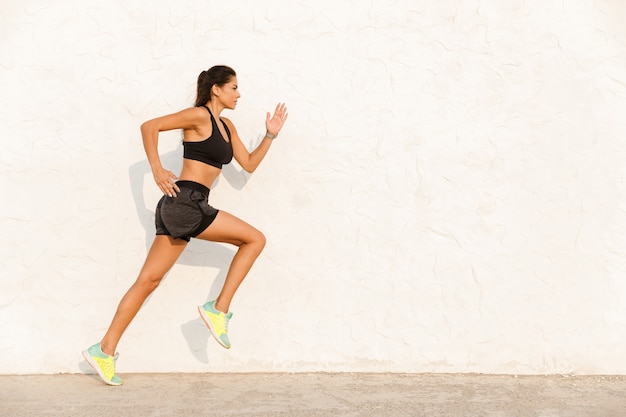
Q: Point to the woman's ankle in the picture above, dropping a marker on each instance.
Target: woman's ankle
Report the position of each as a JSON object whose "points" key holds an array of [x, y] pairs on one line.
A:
{"points": [[107, 349], [220, 308]]}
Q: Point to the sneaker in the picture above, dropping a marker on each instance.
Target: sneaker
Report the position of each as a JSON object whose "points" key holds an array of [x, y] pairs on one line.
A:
{"points": [[103, 364], [217, 322]]}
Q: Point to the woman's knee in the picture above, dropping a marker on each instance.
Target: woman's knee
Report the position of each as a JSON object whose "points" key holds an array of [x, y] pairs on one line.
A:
{"points": [[258, 240], [147, 283]]}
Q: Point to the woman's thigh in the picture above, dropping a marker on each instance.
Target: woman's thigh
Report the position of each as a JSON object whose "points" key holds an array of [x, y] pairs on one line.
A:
{"points": [[162, 256], [230, 229]]}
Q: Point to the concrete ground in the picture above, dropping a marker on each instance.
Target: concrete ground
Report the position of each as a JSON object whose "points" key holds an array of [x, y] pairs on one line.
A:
{"points": [[316, 394]]}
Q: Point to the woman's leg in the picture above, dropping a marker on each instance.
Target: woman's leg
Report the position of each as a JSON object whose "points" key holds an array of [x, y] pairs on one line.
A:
{"points": [[229, 229], [161, 257]]}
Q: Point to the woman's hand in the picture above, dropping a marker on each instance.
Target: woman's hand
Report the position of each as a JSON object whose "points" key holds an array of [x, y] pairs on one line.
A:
{"points": [[165, 181], [276, 122]]}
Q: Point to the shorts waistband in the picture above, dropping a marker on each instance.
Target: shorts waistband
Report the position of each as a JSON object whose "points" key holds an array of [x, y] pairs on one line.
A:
{"points": [[194, 186]]}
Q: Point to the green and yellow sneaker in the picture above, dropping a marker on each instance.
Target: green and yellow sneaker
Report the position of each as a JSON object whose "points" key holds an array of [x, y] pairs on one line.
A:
{"points": [[103, 364], [217, 322]]}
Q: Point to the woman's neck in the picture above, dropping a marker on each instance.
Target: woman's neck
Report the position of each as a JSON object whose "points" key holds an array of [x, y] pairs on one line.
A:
{"points": [[216, 107]]}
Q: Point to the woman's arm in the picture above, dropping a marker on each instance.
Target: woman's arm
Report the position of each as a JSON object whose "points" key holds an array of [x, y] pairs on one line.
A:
{"points": [[249, 161], [185, 119]]}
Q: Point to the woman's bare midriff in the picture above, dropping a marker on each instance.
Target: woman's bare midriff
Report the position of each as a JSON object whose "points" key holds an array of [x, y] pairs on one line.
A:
{"points": [[199, 172]]}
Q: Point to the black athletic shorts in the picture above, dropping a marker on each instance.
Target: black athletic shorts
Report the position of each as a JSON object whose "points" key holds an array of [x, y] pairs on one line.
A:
{"points": [[186, 215]]}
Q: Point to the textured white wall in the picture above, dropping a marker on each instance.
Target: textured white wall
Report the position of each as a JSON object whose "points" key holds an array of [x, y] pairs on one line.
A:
{"points": [[447, 196]]}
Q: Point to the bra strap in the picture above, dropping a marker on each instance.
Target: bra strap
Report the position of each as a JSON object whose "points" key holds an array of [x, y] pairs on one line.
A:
{"points": [[207, 109], [215, 123]]}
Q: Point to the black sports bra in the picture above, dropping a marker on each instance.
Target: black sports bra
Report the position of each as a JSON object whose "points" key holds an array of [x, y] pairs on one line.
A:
{"points": [[214, 150]]}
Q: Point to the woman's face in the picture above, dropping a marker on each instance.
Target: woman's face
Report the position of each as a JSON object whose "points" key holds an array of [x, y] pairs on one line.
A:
{"points": [[229, 93]]}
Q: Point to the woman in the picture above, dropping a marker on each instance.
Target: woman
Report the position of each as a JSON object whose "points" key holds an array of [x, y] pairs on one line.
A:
{"points": [[183, 212]]}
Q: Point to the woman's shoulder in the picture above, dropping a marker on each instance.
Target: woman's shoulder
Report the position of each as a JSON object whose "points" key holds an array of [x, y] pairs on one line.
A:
{"points": [[195, 115], [189, 118], [228, 122], [197, 110]]}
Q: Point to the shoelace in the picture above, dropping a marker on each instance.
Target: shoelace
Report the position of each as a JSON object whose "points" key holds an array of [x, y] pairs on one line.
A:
{"points": [[221, 325], [108, 366]]}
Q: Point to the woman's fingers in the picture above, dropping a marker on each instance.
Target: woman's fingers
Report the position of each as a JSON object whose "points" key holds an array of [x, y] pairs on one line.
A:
{"points": [[276, 122], [166, 182]]}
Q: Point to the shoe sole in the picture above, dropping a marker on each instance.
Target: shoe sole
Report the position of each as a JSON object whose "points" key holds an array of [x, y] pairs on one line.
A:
{"points": [[208, 324], [97, 369]]}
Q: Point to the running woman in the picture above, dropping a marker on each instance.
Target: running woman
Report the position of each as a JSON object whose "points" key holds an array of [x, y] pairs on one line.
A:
{"points": [[210, 141]]}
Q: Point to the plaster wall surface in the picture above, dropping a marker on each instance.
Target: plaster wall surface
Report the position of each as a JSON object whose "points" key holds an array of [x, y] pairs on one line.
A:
{"points": [[447, 196]]}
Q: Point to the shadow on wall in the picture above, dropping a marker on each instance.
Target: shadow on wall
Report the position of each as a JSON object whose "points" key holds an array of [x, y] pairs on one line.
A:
{"points": [[198, 253]]}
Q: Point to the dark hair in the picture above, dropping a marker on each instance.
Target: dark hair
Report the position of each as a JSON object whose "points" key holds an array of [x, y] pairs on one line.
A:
{"points": [[217, 75]]}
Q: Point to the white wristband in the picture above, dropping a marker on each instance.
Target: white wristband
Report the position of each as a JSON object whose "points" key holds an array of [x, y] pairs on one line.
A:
{"points": [[269, 135]]}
